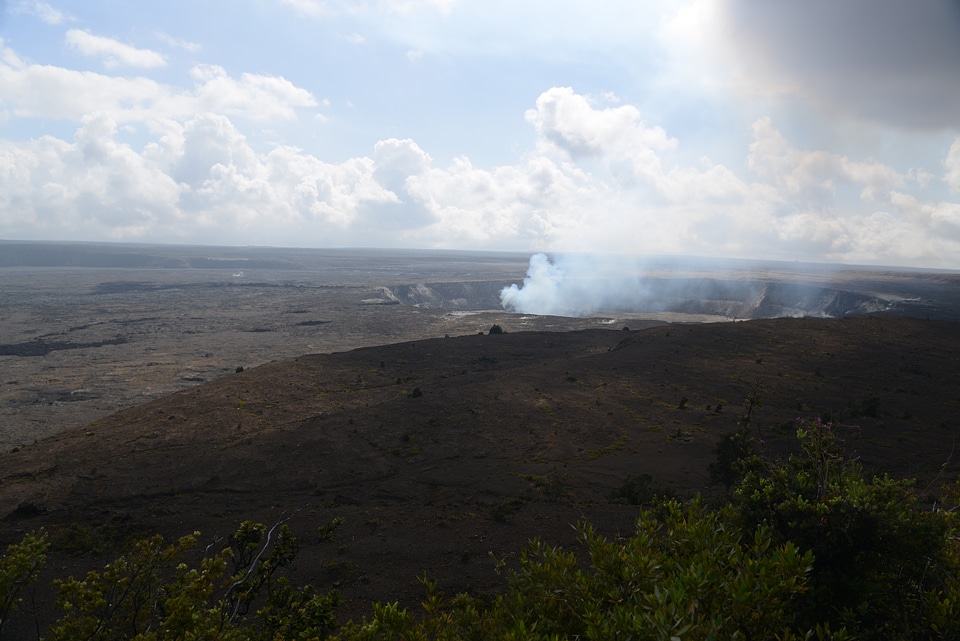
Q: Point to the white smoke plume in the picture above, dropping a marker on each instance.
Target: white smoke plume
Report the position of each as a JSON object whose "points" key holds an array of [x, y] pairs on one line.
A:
{"points": [[575, 285]]}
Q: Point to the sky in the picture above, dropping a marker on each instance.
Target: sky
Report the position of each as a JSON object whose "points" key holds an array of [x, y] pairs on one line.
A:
{"points": [[817, 131]]}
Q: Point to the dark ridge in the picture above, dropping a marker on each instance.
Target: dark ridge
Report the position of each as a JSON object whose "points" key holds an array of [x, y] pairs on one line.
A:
{"points": [[40, 347], [55, 255]]}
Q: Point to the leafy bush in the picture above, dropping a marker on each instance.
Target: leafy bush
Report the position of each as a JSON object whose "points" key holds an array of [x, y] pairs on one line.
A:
{"points": [[684, 574], [730, 454], [638, 490], [884, 566], [153, 594], [18, 569]]}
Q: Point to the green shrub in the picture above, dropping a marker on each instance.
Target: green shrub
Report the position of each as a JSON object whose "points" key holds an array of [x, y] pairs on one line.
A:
{"points": [[636, 490], [685, 574], [18, 569], [153, 594], [884, 567], [730, 455]]}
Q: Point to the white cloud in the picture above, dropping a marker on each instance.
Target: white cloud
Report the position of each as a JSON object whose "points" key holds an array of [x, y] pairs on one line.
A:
{"points": [[355, 39], [922, 177], [253, 96], [91, 187], [535, 204], [811, 178], [113, 52], [694, 37], [40, 9], [30, 90], [45, 91], [571, 122], [178, 43], [598, 178]]}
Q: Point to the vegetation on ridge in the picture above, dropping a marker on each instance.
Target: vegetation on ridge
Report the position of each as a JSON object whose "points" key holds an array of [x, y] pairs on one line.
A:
{"points": [[805, 548]]}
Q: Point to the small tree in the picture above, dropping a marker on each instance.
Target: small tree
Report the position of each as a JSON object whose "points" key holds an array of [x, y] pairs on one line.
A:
{"points": [[18, 569], [736, 451], [884, 566], [731, 454]]}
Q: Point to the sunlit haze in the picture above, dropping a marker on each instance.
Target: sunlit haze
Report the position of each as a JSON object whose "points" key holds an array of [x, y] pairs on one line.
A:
{"points": [[815, 131]]}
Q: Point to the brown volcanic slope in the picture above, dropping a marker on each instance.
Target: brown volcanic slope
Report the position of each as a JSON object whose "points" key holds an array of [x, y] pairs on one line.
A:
{"points": [[440, 451]]}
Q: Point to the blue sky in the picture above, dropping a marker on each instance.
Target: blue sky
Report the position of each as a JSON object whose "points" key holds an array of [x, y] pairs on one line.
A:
{"points": [[816, 131]]}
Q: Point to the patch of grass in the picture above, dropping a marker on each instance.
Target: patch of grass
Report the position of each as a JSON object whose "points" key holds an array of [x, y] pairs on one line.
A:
{"points": [[619, 444], [636, 490], [505, 508], [339, 569], [552, 486]]}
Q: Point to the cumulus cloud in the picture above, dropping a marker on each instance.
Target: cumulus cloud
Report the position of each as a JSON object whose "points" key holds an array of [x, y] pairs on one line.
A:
{"points": [[30, 90], [536, 203], [571, 122], [811, 178], [92, 186], [113, 52], [598, 178], [253, 96]]}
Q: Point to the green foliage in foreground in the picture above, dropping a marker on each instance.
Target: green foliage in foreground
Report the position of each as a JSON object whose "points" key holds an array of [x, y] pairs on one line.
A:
{"points": [[808, 548], [18, 569], [684, 574], [151, 594], [884, 566]]}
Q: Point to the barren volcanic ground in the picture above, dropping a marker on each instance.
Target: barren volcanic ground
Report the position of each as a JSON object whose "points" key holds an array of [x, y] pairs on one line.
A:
{"points": [[437, 451]]}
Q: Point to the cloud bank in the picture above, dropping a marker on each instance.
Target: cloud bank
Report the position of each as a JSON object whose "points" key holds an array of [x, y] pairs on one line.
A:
{"points": [[597, 177]]}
